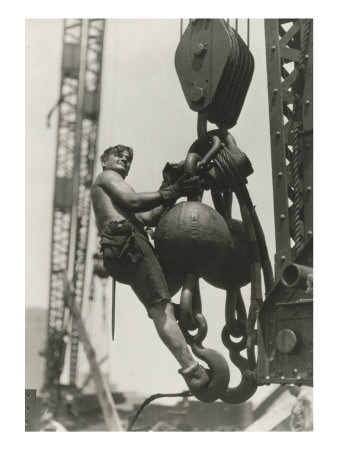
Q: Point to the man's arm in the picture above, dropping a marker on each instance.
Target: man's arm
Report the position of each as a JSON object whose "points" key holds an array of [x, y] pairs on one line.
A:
{"points": [[123, 194], [152, 217], [171, 172]]}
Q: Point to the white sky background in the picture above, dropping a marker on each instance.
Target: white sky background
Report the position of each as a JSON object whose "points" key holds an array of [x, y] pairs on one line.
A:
{"points": [[12, 377], [142, 105]]}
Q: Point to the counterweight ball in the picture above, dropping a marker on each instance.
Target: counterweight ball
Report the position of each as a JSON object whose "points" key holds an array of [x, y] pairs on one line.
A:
{"points": [[192, 238]]}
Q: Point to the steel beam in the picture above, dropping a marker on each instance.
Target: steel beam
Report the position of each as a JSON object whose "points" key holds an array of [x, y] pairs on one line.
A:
{"points": [[284, 41]]}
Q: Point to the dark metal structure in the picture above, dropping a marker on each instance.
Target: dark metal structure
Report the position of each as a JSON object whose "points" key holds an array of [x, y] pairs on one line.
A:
{"points": [[215, 68], [284, 329], [285, 319], [30, 397], [76, 148]]}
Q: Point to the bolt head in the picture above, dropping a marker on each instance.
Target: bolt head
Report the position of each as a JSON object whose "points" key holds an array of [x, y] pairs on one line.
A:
{"points": [[196, 94], [307, 103], [249, 377], [280, 175], [199, 49], [273, 48], [275, 91], [309, 189], [286, 340], [282, 217], [277, 133], [282, 258]]}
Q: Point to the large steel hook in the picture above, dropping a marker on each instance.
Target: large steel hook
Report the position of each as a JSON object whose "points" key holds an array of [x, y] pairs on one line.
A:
{"points": [[190, 302], [218, 367], [197, 159], [247, 386]]}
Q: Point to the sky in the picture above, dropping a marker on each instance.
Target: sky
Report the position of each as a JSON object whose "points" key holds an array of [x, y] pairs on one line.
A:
{"points": [[142, 105]]}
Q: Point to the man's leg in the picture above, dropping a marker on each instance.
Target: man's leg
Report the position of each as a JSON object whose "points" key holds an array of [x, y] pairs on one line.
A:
{"points": [[162, 314], [167, 328]]}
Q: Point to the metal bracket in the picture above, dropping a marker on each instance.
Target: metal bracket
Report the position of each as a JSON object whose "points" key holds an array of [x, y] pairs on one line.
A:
{"points": [[30, 397]]}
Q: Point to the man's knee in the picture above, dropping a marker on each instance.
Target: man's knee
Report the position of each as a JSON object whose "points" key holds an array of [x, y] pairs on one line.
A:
{"points": [[162, 307]]}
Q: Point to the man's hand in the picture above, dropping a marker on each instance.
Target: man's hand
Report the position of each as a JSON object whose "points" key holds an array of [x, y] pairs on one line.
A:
{"points": [[171, 172], [184, 186], [187, 185]]}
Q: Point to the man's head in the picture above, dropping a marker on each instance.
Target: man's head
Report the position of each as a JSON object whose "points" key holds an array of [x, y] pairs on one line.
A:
{"points": [[117, 158]]}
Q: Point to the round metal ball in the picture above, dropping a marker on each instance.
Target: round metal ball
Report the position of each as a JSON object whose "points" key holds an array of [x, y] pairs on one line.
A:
{"points": [[192, 238], [235, 271]]}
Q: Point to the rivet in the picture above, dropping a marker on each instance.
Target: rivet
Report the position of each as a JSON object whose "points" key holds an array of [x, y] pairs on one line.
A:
{"points": [[308, 145], [273, 48], [295, 371], [306, 56], [298, 377], [309, 189], [280, 372], [282, 217], [307, 102], [282, 258], [267, 378], [275, 91], [282, 377], [277, 133], [309, 233], [280, 174]]}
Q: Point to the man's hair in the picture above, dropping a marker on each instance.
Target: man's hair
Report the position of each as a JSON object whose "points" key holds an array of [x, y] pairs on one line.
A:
{"points": [[116, 149]]}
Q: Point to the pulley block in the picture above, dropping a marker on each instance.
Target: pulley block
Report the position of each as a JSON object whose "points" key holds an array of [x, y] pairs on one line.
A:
{"points": [[215, 68]]}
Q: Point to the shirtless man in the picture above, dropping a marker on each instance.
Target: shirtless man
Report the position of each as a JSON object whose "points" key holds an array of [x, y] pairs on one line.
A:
{"points": [[128, 256]]}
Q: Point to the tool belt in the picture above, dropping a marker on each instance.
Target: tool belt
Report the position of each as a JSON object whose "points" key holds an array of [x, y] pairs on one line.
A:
{"points": [[120, 250]]}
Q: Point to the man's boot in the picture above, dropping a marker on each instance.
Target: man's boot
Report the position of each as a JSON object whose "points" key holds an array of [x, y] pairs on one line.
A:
{"points": [[196, 377]]}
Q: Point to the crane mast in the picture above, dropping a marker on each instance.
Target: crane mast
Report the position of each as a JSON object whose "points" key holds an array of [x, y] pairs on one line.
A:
{"points": [[285, 326], [75, 157]]}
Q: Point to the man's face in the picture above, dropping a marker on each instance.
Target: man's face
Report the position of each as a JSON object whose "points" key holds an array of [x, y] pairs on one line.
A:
{"points": [[120, 162]]}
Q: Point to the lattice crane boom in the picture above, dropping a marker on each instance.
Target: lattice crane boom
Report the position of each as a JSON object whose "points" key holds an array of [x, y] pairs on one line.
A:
{"points": [[75, 156], [285, 332]]}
